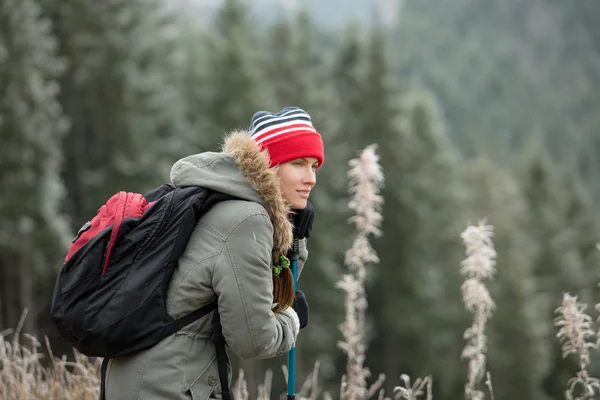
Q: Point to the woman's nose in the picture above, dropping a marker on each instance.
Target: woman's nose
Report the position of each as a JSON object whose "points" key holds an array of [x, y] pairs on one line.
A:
{"points": [[310, 177]]}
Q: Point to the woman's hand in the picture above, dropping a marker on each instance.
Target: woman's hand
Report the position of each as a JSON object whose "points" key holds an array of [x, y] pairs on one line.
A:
{"points": [[301, 307]]}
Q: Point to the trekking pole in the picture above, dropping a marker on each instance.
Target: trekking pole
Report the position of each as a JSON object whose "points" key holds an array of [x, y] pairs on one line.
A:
{"points": [[292, 353]]}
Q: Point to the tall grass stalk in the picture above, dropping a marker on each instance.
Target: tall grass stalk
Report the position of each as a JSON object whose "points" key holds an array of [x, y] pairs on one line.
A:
{"points": [[577, 337], [366, 181], [476, 268]]}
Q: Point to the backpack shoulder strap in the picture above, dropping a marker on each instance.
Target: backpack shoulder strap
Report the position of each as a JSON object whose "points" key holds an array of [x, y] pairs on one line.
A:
{"points": [[191, 317], [103, 379], [222, 359]]}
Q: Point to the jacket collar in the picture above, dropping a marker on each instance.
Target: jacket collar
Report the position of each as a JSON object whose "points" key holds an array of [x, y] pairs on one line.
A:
{"points": [[254, 164]]}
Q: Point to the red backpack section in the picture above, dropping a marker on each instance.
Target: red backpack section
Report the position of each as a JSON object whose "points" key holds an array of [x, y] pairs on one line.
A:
{"points": [[120, 206]]}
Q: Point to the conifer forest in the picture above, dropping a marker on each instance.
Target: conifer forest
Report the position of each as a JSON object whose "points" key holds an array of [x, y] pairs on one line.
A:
{"points": [[473, 126]]}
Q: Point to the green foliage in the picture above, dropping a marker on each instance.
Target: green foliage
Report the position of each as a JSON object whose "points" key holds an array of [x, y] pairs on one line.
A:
{"points": [[479, 109], [233, 86], [33, 230], [517, 322], [507, 70], [564, 255], [422, 239], [120, 95]]}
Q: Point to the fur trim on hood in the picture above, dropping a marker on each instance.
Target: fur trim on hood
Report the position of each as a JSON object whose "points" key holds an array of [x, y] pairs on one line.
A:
{"points": [[254, 164]]}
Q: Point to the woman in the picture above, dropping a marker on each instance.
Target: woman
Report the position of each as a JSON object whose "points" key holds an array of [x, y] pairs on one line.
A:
{"points": [[234, 254]]}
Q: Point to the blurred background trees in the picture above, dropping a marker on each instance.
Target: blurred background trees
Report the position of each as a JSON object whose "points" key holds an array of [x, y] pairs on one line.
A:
{"points": [[478, 108]]}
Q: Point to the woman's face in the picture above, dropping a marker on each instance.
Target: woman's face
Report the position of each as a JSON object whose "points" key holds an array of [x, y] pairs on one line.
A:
{"points": [[297, 178]]}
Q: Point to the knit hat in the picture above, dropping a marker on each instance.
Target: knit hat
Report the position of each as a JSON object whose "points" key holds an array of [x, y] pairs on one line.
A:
{"points": [[287, 135]]}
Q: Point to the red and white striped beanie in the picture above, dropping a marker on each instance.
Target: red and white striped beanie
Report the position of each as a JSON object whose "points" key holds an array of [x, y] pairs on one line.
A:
{"points": [[287, 135]]}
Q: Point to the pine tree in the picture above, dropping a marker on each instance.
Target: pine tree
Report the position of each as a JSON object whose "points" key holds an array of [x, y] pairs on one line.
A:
{"points": [[347, 75], [426, 220], [33, 230], [120, 91], [517, 355], [419, 248], [563, 225], [234, 87]]}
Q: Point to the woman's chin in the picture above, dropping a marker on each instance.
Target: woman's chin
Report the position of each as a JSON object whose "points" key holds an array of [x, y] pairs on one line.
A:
{"points": [[299, 204]]}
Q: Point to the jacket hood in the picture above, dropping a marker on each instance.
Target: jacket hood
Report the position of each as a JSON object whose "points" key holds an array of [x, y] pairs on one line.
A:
{"points": [[241, 170]]}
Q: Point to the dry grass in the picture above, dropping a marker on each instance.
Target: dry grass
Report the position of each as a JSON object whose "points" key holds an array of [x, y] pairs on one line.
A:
{"points": [[24, 376], [421, 387]]}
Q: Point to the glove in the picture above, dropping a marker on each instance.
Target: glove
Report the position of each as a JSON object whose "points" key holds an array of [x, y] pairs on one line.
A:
{"points": [[303, 220], [301, 307]]}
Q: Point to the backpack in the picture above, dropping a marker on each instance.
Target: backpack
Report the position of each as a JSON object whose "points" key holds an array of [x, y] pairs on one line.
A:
{"points": [[117, 271]]}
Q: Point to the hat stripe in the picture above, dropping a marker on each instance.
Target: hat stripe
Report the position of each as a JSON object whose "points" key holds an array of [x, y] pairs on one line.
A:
{"points": [[270, 116], [277, 121], [296, 128], [278, 127]]}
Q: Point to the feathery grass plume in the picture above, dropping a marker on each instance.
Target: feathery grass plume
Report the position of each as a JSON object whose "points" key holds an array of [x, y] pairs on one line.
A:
{"points": [[478, 266], [23, 376], [311, 384], [264, 389], [241, 387], [488, 383], [575, 334], [366, 181], [419, 388]]}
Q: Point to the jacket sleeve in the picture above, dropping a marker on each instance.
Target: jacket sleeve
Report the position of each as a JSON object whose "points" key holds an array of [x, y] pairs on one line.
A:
{"points": [[243, 282]]}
